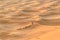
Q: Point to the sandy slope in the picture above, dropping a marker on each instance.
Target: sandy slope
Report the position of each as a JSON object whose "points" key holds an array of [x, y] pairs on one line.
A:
{"points": [[29, 19]]}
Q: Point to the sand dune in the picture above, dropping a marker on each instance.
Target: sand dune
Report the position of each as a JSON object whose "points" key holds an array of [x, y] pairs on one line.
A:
{"points": [[29, 19]]}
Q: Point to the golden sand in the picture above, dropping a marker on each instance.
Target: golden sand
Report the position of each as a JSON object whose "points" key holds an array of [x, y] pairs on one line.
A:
{"points": [[29, 19]]}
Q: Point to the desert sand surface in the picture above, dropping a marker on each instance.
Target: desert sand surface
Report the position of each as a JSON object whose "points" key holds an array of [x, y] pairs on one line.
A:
{"points": [[29, 19]]}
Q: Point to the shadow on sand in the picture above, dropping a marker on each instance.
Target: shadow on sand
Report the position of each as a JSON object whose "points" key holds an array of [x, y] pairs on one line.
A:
{"points": [[49, 23]]}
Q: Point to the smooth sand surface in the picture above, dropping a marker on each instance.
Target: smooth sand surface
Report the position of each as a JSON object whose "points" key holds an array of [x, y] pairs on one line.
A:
{"points": [[29, 19]]}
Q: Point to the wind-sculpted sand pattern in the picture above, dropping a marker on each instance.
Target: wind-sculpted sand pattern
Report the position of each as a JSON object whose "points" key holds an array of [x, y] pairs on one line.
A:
{"points": [[29, 19]]}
